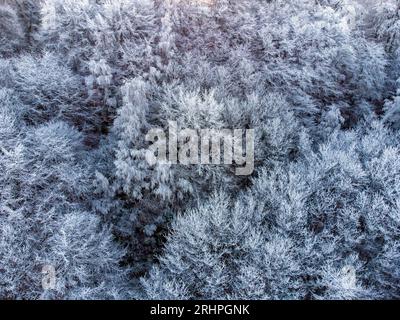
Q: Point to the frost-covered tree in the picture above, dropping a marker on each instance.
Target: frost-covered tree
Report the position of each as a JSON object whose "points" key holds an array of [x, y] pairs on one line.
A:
{"points": [[5, 73], [314, 51], [43, 219], [125, 33], [29, 13], [82, 83], [392, 109], [383, 21], [147, 192], [11, 32], [221, 251], [67, 30], [321, 228], [52, 90], [387, 23]]}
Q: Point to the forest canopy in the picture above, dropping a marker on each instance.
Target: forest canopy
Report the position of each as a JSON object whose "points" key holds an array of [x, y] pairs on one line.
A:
{"points": [[83, 82]]}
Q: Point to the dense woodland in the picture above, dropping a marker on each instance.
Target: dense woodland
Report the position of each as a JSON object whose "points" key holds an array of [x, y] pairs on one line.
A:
{"points": [[82, 82]]}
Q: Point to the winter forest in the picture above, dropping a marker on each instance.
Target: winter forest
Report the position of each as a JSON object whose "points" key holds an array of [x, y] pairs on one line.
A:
{"points": [[84, 215]]}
